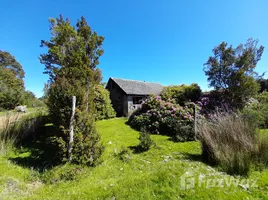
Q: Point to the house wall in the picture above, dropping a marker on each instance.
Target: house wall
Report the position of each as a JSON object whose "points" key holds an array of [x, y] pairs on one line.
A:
{"points": [[132, 107], [118, 99]]}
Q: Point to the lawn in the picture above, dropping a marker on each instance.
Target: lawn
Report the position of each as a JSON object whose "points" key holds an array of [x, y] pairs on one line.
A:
{"points": [[156, 174]]}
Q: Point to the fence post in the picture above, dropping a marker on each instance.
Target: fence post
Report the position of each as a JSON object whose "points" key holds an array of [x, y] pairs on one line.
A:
{"points": [[71, 128], [195, 122]]}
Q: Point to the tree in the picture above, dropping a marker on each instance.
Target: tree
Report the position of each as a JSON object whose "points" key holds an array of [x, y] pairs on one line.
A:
{"points": [[11, 81], [263, 85], [231, 71], [71, 61]]}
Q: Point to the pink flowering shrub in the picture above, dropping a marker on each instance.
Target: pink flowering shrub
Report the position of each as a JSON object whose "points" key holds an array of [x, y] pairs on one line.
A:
{"points": [[164, 117]]}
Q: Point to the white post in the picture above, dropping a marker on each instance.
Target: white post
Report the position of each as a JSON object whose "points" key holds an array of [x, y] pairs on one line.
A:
{"points": [[71, 128]]}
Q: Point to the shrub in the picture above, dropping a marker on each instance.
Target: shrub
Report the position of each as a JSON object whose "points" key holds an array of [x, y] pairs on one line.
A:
{"points": [[182, 93], [229, 141], [104, 108], [257, 111], [124, 154], [145, 140], [87, 147], [164, 117]]}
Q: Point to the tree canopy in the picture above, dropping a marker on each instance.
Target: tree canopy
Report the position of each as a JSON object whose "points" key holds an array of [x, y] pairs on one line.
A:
{"points": [[231, 71]]}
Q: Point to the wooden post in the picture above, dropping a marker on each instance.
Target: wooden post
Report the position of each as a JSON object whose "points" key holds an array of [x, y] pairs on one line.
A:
{"points": [[71, 128], [195, 122]]}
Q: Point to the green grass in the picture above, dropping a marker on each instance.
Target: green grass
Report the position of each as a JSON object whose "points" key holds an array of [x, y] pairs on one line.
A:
{"points": [[154, 174]]}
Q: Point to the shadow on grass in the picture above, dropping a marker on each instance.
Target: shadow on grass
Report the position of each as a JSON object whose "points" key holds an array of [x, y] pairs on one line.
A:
{"points": [[136, 149], [198, 158], [36, 151]]}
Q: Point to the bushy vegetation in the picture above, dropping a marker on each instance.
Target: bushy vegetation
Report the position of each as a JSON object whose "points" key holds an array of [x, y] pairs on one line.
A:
{"points": [[230, 140], [256, 110], [73, 72], [14, 127], [104, 108], [182, 94], [145, 140], [164, 117], [231, 71]]}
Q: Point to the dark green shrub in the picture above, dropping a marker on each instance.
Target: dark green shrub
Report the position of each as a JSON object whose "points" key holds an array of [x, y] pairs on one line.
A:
{"points": [[87, 147], [145, 140], [164, 117]]}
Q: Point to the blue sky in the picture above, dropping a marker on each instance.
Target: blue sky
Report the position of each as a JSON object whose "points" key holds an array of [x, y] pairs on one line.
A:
{"points": [[153, 40]]}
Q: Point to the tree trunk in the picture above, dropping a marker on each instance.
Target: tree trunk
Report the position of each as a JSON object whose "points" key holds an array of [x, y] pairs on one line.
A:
{"points": [[71, 128]]}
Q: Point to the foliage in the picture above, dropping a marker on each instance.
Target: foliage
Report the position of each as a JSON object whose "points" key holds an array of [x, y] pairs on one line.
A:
{"points": [[263, 85], [182, 93], [124, 154], [229, 141], [87, 147], [62, 173], [11, 81], [145, 140], [102, 101], [164, 117], [148, 176], [71, 61], [261, 152], [14, 127], [231, 71], [257, 110]]}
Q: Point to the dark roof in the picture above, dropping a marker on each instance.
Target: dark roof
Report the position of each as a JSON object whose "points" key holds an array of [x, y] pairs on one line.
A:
{"points": [[138, 87]]}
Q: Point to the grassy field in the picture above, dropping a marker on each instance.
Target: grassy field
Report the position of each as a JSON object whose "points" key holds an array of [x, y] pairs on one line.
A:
{"points": [[164, 172]]}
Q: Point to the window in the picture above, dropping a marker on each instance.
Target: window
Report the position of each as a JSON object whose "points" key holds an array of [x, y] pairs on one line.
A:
{"points": [[137, 100]]}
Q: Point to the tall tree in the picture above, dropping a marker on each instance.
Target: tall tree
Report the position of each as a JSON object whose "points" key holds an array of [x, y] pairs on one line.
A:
{"points": [[71, 61], [232, 71], [11, 81]]}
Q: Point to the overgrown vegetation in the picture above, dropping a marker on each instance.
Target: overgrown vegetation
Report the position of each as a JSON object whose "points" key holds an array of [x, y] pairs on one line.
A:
{"points": [[165, 117], [14, 127], [231, 141], [182, 94], [154, 174]]}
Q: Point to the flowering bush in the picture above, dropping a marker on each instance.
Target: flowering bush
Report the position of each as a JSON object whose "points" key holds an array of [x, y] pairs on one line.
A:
{"points": [[164, 117]]}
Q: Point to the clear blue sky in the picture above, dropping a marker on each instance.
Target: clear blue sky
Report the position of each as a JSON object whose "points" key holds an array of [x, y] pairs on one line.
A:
{"points": [[153, 40]]}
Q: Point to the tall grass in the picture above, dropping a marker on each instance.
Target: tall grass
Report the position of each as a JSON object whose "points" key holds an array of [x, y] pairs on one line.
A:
{"points": [[16, 126], [228, 141]]}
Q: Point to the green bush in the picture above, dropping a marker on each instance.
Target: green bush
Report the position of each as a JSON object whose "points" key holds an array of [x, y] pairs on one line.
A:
{"points": [[87, 147], [182, 93], [103, 104], [164, 117], [229, 141], [145, 140], [257, 111], [124, 154]]}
